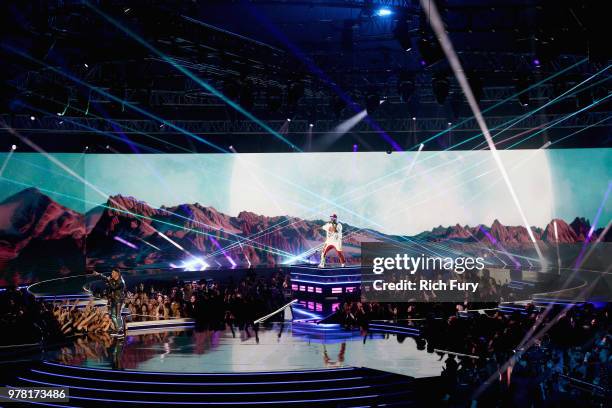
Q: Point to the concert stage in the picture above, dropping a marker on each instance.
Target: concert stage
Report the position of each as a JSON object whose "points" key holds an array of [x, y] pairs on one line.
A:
{"points": [[290, 364], [294, 361]]}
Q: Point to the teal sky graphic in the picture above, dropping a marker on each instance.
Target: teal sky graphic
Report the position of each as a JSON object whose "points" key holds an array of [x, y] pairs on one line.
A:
{"points": [[370, 189]]}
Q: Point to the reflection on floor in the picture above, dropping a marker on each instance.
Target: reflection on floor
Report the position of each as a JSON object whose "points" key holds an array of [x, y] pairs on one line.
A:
{"points": [[277, 347]]}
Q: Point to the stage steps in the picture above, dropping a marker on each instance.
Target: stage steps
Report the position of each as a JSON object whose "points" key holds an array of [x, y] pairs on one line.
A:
{"points": [[341, 387]]}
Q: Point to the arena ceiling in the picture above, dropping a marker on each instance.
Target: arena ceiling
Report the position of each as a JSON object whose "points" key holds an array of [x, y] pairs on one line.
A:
{"points": [[157, 73]]}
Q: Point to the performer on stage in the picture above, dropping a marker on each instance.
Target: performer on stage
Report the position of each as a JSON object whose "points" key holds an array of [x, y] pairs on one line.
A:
{"points": [[115, 286], [333, 240]]}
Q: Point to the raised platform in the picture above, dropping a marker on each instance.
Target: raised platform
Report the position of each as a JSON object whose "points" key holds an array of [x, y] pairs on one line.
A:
{"points": [[293, 364], [321, 290], [345, 387]]}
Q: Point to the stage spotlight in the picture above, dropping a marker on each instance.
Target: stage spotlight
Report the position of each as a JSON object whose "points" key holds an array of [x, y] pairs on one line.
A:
{"points": [[32, 118], [85, 65], [288, 119], [107, 147], [414, 118], [86, 147], [402, 34], [406, 85], [383, 12], [355, 147], [440, 86], [14, 147], [344, 127], [311, 125]]}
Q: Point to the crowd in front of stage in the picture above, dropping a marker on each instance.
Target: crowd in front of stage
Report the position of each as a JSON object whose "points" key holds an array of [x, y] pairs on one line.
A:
{"points": [[24, 320], [212, 304], [568, 361]]}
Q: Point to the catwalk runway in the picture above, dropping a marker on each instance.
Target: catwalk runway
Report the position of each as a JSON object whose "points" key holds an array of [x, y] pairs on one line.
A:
{"points": [[299, 346]]}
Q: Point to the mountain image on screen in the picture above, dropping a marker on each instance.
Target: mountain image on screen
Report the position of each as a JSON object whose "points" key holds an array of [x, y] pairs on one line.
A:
{"points": [[41, 239]]}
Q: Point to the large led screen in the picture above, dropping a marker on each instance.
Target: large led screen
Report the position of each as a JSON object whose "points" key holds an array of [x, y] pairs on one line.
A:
{"points": [[63, 214]]}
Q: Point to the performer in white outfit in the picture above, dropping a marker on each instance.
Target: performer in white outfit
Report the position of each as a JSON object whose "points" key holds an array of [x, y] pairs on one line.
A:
{"points": [[333, 240]]}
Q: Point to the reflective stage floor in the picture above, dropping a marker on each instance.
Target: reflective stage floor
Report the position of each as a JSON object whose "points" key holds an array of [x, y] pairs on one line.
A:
{"points": [[276, 347]]}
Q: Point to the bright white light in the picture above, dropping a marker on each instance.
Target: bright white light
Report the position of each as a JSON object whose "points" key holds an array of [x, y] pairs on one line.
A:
{"points": [[383, 12], [32, 117], [414, 118], [85, 65], [288, 119], [348, 124], [293, 260], [311, 125], [13, 147], [438, 27], [164, 236], [192, 264], [231, 261]]}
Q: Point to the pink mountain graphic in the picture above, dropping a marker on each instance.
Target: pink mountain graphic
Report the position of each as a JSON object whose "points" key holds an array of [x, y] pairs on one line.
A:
{"points": [[40, 238]]}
